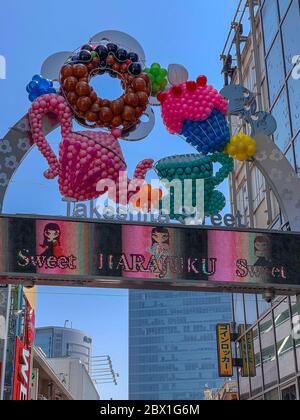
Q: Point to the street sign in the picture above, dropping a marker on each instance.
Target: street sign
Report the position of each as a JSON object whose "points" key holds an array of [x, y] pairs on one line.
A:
{"points": [[247, 352], [72, 252], [225, 360]]}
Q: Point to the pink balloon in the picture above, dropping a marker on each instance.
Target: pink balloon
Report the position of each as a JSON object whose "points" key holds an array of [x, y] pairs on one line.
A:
{"points": [[195, 105]]}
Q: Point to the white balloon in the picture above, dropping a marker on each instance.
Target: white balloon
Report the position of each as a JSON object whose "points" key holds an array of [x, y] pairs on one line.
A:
{"points": [[177, 74], [52, 65]]}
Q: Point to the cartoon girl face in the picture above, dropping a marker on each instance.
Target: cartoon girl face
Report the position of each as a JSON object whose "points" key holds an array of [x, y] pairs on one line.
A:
{"points": [[51, 235], [262, 246], [160, 237]]}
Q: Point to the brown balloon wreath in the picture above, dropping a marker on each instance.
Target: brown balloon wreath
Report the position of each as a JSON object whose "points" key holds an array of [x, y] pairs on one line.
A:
{"points": [[93, 111]]}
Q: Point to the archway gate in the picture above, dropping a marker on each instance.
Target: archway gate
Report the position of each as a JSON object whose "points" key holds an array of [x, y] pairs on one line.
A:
{"points": [[64, 252]]}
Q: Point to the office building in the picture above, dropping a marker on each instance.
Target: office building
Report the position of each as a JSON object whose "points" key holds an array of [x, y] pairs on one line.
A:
{"points": [[261, 53], [58, 342], [277, 354], [172, 343]]}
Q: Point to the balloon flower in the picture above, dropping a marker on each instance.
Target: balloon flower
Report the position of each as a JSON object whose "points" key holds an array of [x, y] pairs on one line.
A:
{"points": [[158, 77], [39, 87], [197, 112], [241, 147]]}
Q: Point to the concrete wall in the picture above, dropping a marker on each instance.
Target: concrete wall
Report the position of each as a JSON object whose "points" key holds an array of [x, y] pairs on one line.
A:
{"points": [[75, 377]]}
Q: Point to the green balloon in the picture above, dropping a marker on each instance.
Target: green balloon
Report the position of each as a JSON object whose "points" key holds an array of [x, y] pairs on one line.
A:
{"points": [[151, 77], [163, 73], [155, 66], [155, 87], [155, 72], [164, 84]]}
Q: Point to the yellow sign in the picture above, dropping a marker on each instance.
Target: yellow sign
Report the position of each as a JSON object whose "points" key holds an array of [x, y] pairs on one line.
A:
{"points": [[224, 351], [247, 352]]}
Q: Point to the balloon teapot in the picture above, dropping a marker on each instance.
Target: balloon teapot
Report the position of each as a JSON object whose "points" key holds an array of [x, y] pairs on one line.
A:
{"points": [[85, 158], [89, 158]]}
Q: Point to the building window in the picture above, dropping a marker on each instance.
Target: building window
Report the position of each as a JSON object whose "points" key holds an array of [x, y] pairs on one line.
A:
{"points": [[275, 69], [268, 352], [290, 156], [280, 112], [272, 395], [294, 96], [291, 34], [289, 394], [283, 5], [270, 21], [258, 187], [297, 153]]}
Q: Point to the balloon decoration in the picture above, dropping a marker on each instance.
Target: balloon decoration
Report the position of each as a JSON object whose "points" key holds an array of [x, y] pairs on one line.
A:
{"points": [[196, 167], [149, 198], [93, 111], [158, 77], [241, 147], [191, 109], [208, 136], [39, 87], [85, 158], [197, 112]]}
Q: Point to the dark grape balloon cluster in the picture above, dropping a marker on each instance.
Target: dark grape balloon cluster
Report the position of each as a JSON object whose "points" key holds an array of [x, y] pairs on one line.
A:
{"points": [[111, 56]]}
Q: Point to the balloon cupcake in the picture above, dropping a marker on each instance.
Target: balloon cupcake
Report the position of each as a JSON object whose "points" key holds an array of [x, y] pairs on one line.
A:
{"points": [[196, 111]]}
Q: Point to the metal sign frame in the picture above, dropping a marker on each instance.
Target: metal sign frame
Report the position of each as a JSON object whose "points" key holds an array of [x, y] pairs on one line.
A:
{"points": [[102, 281]]}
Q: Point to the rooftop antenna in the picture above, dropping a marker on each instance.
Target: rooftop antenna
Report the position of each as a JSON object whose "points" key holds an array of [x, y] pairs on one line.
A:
{"points": [[68, 324]]}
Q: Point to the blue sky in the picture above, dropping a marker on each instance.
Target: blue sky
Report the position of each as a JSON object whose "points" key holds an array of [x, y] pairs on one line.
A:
{"points": [[190, 32]]}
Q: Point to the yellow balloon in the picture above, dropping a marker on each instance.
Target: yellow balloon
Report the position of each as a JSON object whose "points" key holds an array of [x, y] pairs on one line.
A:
{"points": [[241, 147], [251, 150], [231, 149]]}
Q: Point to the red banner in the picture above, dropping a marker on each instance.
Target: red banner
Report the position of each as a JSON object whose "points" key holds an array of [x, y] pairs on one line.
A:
{"points": [[22, 371]]}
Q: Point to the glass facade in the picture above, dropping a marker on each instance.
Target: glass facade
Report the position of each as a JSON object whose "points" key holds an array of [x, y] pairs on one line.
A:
{"points": [[59, 342], [277, 353], [281, 30], [277, 34], [172, 343]]}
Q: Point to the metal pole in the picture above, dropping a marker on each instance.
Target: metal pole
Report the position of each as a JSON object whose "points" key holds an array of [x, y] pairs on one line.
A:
{"points": [[257, 63], [3, 373], [247, 166], [258, 77]]}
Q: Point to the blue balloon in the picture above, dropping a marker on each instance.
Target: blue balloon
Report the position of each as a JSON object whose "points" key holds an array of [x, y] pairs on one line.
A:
{"points": [[208, 136], [35, 89], [33, 85], [44, 84], [36, 78], [32, 96], [39, 87]]}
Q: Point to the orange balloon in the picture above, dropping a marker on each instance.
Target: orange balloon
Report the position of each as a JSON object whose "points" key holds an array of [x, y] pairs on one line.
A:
{"points": [[150, 198]]}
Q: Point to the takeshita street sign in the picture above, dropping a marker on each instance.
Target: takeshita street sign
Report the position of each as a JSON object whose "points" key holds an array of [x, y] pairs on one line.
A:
{"points": [[52, 251]]}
